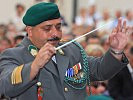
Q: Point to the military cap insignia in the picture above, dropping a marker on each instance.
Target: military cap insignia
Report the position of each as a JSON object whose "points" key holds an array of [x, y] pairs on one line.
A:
{"points": [[33, 50], [16, 76]]}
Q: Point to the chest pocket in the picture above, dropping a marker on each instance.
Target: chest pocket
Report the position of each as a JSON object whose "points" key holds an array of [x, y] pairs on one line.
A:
{"points": [[76, 76], [80, 77]]}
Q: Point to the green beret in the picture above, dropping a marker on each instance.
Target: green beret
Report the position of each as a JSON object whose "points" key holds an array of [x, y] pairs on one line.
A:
{"points": [[41, 12]]}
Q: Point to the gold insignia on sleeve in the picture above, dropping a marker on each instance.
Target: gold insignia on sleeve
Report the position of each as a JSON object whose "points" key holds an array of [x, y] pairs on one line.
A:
{"points": [[16, 76]]}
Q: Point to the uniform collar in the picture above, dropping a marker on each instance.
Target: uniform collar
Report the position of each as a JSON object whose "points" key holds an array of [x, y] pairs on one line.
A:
{"points": [[26, 41]]}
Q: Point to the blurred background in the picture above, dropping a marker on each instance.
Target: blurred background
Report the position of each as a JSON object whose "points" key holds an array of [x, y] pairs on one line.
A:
{"points": [[79, 17], [68, 8]]}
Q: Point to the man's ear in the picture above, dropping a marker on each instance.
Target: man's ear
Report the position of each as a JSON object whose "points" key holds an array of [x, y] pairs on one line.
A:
{"points": [[29, 30]]}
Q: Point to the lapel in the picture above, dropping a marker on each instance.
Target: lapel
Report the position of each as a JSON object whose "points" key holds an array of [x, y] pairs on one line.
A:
{"points": [[51, 67], [62, 64]]}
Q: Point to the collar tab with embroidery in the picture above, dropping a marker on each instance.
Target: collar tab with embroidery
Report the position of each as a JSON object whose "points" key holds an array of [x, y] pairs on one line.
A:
{"points": [[33, 50]]}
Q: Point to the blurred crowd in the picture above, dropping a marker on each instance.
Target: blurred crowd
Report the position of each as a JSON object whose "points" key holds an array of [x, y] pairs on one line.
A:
{"points": [[94, 44]]}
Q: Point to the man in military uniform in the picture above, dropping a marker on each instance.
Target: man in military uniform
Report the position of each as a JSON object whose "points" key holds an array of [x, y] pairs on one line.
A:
{"points": [[35, 70]]}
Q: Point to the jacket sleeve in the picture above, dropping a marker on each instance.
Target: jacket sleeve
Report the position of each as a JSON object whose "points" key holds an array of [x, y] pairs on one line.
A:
{"points": [[8, 62], [115, 87], [105, 67]]}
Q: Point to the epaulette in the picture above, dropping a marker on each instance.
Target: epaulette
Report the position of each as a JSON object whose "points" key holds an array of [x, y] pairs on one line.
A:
{"points": [[16, 76]]}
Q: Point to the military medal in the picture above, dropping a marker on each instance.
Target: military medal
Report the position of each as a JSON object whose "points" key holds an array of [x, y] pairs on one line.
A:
{"points": [[39, 91], [79, 66], [78, 76], [70, 71], [73, 71]]}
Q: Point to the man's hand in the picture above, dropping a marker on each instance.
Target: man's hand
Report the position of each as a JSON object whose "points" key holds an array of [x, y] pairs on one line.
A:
{"points": [[119, 36], [118, 39], [43, 56]]}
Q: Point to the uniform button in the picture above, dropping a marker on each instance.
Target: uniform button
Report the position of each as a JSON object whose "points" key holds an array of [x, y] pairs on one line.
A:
{"points": [[66, 89]]}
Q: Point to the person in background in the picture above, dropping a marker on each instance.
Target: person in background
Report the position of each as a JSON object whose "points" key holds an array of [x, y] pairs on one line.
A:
{"points": [[104, 42], [5, 43], [94, 50], [129, 17], [11, 32], [106, 19], [82, 42], [93, 39], [118, 14], [81, 19], [17, 19], [3, 30], [18, 39], [93, 16]]}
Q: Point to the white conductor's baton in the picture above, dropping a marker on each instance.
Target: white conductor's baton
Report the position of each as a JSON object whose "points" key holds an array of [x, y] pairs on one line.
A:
{"points": [[67, 43]]}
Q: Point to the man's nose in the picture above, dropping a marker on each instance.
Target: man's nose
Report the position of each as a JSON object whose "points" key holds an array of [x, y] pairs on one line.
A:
{"points": [[54, 31]]}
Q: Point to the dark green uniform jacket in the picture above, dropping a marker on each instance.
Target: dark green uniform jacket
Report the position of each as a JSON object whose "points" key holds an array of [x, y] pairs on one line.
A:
{"points": [[55, 84]]}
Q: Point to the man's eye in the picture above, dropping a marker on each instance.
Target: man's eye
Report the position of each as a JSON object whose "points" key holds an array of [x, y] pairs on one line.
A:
{"points": [[47, 28], [58, 27]]}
